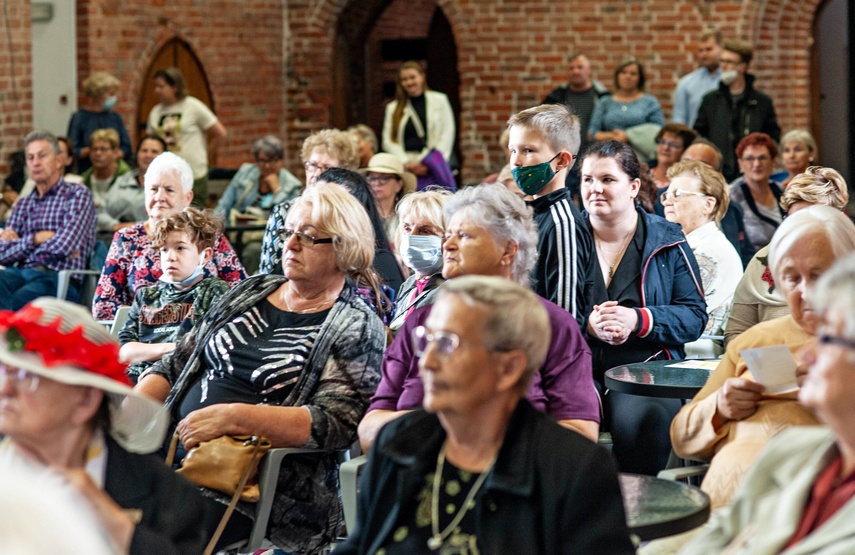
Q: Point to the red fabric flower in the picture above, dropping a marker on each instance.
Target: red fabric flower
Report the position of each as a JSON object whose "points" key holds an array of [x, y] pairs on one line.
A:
{"points": [[767, 277]]}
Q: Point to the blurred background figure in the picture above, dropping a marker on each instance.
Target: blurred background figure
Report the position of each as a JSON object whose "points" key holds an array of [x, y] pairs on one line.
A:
{"points": [[366, 142], [798, 151], [100, 91]]}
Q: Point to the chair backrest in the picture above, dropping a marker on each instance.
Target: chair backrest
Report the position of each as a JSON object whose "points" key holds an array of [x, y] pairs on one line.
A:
{"points": [[119, 320]]}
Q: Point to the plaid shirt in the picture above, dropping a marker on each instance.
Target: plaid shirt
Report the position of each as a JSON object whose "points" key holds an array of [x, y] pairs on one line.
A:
{"points": [[68, 210]]}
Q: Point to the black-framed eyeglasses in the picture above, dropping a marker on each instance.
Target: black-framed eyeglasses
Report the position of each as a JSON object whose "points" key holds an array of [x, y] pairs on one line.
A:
{"points": [[381, 178], [304, 239], [267, 160], [834, 340], [21, 378]]}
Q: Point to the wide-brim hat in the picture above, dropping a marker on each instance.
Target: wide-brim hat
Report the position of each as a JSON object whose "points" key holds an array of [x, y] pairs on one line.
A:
{"points": [[60, 341], [391, 164]]}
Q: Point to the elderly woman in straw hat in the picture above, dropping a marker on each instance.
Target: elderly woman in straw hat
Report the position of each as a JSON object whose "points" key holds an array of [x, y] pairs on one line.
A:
{"points": [[67, 411], [389, 183]]}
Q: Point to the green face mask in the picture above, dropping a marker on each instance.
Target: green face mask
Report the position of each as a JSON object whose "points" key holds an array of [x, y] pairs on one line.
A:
{"points": [[531, 179]]}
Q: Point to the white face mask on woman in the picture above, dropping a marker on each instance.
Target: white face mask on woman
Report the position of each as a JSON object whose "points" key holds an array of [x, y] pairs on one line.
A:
{"points": [[422, 253]]}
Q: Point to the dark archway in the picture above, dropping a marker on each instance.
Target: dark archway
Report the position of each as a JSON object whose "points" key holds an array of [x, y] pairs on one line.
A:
{"points": [[364, 67], [174, 53]]}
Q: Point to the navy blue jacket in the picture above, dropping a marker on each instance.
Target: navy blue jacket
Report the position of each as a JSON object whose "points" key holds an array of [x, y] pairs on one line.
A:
{"points": [[672, 312]]}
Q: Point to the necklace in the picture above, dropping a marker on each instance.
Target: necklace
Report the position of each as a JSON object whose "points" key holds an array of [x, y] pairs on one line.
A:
{"points": [[305, 310], [624, 243], [437, 538]]}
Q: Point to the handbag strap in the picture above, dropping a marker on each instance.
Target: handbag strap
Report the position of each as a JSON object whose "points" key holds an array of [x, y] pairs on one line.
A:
{"points": [[209, 549]]}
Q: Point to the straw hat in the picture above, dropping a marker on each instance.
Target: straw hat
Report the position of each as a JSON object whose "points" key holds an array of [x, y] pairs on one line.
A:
{"points": [[391, 164], [60, 341]]}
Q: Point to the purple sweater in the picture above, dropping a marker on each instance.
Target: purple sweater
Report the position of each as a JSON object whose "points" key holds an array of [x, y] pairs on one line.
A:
{"points": [[563, 389]]}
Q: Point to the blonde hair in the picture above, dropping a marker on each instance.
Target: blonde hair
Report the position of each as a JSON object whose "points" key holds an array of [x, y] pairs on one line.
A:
{"points": [[515, 318], [555, 123], [711, 183], [425, 205], [110, 136], [203, 228], [816, 185], [98, 83], [340, 145], [338, 213]]}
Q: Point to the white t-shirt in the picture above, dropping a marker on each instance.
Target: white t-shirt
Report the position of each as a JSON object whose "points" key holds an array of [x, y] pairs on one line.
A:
{"points": [[183, 125]]}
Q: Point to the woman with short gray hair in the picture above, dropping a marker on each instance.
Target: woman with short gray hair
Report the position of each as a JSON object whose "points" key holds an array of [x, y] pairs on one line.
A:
{"points": [[257, 187], [731, 419]]}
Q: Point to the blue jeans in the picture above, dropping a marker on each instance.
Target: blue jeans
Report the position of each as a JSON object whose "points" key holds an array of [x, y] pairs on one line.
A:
{"points": [[18, 286]]}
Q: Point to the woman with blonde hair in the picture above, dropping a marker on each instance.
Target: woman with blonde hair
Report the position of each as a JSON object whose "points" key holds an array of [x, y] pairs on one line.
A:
{"points": [[418, 121]]}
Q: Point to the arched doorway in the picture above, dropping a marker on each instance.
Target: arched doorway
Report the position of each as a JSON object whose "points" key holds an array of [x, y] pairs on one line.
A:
{"points": [[833, 70], [174, 53], [378, 36]]}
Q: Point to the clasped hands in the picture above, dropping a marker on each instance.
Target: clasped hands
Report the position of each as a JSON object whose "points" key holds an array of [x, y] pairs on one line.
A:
{"points": [[611, 323]]}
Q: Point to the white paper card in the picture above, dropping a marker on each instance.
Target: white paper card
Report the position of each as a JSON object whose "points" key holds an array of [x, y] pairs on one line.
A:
{"points": [[774, 367]]}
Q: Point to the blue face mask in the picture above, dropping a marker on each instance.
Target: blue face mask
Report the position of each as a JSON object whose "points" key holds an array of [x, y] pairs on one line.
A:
{"points": [[532, 179], [422, 253], [188, 281], [109, 102]]}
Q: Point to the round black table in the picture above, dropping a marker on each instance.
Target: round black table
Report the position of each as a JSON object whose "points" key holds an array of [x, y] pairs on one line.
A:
{"points": [[657, 379], [656, 508]]}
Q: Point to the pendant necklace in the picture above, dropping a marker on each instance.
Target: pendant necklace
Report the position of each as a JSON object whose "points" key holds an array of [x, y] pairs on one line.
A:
{"points": [[304, 311], [617, 258], [437, 538]]}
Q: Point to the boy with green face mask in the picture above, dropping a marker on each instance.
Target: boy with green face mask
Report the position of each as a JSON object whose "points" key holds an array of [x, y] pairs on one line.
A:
{"points": [[544, 142]]}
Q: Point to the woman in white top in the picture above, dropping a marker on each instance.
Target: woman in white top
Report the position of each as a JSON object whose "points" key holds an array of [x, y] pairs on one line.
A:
{"points": [[417, 121], [190, 129], [697, 199]]}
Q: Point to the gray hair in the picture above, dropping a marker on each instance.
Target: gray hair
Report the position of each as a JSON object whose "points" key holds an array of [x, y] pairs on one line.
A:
{"points": [[516, 317], [505, 217], [170, 163], [837, 288], [799, 136], [40, 135], [365, 133], [837, 227], [269, 145]]}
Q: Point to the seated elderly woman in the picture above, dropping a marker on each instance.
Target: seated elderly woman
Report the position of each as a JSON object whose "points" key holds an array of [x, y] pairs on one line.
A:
{"points": [[798, 496], [293, 358], [321, 151], [256, 188], [798, 153], [491, 232], [132, 263], [69, 413], [671, 142], [390, 182], [125, 202], [697, 199], [420, 230], [756, 298], [508, 478], [732, 417]]}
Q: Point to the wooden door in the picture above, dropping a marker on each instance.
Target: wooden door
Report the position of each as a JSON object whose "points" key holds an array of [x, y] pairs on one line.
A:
{"points": [[175, 53]]}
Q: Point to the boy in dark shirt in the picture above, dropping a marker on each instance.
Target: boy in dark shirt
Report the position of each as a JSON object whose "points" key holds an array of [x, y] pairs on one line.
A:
{"points": [[162, 313]]}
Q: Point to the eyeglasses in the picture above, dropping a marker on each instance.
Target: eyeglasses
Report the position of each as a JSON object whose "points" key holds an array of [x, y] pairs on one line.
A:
{"points": [[315, 167], [672, 144], [726, 62], [832, 340], [382, 178], [445, 342], [677, 194], [751, 159], [266, 160], [303, 238], [19, 377]]}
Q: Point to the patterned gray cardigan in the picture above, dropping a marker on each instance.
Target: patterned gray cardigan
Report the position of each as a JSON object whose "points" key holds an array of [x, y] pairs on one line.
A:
{"points": [[339, 377]]}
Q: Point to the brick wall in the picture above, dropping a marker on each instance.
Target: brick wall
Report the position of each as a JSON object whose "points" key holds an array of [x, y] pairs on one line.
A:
{"points": [[512, 53], [16, 84], [270, 62], [239, 44]]}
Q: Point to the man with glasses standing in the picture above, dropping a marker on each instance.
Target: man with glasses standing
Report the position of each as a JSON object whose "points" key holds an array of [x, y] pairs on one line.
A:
{"points": [[736, 108]]}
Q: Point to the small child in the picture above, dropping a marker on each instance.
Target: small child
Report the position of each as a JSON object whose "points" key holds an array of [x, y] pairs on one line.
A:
{"points": [[162, 313]]}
